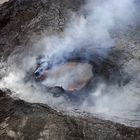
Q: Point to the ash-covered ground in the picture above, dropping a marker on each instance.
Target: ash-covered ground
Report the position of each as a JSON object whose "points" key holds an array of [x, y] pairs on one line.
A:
{"points": [[108, 34]]}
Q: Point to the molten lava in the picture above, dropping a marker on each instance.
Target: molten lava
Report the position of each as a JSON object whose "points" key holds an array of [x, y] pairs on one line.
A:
{"points": [[72, 88], [71, 76]]}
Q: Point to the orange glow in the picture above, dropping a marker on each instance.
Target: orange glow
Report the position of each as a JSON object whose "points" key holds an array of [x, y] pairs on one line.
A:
{"points": [[72, 88]]}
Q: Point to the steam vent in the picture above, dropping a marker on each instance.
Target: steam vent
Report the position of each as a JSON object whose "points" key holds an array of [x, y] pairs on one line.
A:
{"points": [[69, 70]]}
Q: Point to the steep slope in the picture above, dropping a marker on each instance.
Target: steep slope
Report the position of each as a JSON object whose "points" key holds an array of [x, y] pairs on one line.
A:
{"points": [[22, 120]]}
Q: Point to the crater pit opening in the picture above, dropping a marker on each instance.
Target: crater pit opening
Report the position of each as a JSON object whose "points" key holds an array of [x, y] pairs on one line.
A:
{"points": [[70, 76]]}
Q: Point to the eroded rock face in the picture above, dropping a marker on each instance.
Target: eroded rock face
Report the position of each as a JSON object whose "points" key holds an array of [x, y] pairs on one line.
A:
{"points": [[19, 20], [22, 120]]}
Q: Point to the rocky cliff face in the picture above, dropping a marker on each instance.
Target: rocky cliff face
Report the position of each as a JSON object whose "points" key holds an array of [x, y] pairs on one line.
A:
{"points": [[19, 20], [23, 20], [22, 120]]}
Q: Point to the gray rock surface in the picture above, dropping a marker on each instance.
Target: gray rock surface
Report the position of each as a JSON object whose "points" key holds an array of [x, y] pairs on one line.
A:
{"points": [[22, 120], [21, 19]]}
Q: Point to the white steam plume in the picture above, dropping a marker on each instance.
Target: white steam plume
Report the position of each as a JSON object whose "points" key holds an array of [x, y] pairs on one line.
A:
{"points": [[91, 29]]}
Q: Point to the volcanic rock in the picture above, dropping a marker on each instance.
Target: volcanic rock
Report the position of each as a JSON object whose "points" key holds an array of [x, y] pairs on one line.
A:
{"points": [[22, 120]]}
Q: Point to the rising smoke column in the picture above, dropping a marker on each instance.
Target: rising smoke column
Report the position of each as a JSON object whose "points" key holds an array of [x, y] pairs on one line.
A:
{"points": [[91, 29]]}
